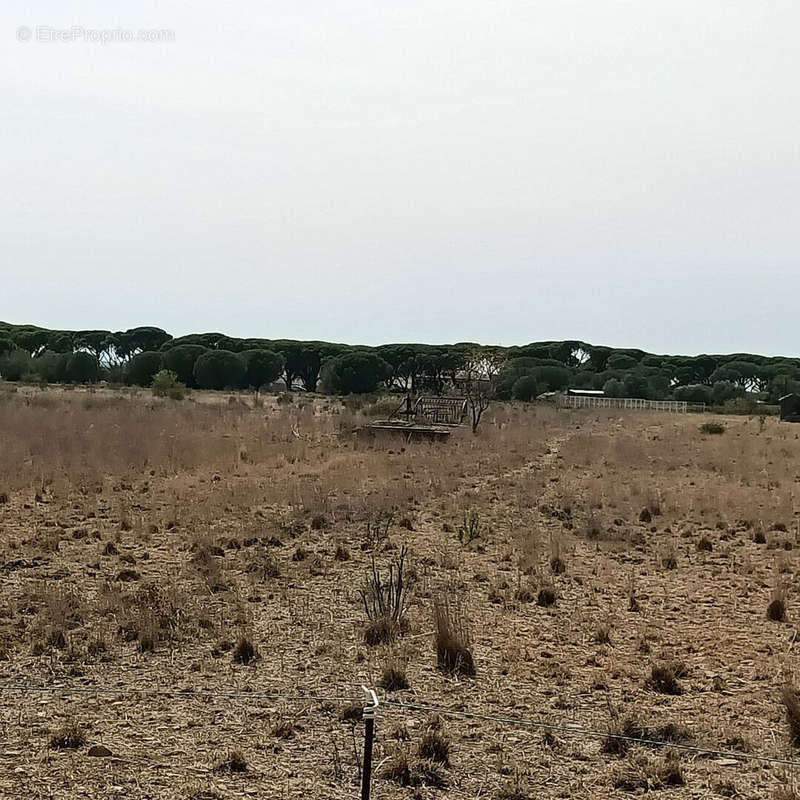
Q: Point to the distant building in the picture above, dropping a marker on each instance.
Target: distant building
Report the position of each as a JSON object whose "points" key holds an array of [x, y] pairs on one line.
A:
{"points": [[586, 392], [790, 407]]}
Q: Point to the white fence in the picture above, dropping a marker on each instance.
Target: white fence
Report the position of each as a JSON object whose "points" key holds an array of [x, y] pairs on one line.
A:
{"points": [[633, 403]]}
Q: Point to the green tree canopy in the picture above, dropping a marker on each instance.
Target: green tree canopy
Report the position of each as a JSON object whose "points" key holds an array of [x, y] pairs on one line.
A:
{"points": [[82, 367], [525, 388], [142, 367], [262, 367], [181, 360], [357, 372], [219, 369]]}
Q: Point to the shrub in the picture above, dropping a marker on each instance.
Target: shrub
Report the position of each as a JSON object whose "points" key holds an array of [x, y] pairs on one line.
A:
{"points": [[453, 653], [791, 702], [695, 393], [557, 563], [399, 769], [705, 544], [621, 730], [342, 553], [776, 610], [234, 761], [664, 677], [546, 596], [352, 712], [712, 428], [602, 634], [669, 772], [283, 729], [470, 528], [166, 384], [69, 737], [245, 651], [383, 408], [394, 677], [435, 746], [385, 602]]}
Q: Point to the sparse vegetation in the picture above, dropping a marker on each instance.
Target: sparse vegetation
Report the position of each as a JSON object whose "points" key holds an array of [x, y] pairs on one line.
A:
{"points": [[453, 652], [393, 677], [791, 703], [247, 523], [70, 736], [384, 601], [469, 529]]}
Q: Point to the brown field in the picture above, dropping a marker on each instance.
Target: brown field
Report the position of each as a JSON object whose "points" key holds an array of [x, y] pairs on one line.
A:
{"points": [[619, 579]]}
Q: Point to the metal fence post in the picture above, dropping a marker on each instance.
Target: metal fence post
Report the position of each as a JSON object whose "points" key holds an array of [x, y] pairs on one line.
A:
{"points": [[368, 716]]}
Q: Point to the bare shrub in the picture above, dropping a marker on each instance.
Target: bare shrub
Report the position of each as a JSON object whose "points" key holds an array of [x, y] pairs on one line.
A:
{"points": [[283, 728], [69, 736], [233, 761], [557, 563], [469, 528], [148, 615], [602, 634], [384, 602], [776, 610], [376, 532], [453, 653], [623, 730], [668, 558], [400, 769], [262, 564], [352, 712], [245, 651], [393, 677], [341, 553], [619, 732], [705, 545], [664, 677], [791, 703], [435, 746], [546, 596]]}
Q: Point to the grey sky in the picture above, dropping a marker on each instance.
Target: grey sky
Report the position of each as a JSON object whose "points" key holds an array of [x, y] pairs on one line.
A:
{"points": [[621, 172]]}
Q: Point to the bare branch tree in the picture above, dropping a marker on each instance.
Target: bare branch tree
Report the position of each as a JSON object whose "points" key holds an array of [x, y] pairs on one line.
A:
{"points": [[479, 395]]}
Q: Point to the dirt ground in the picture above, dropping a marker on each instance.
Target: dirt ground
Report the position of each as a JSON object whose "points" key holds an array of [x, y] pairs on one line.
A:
{"points": [[144, 544]]}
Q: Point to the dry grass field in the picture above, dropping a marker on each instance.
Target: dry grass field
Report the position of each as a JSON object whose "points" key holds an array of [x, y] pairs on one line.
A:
{"points": [[612, 571]]}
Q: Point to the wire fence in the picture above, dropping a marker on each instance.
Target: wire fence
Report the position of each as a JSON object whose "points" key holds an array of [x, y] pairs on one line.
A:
{"points": [[374, 707]]}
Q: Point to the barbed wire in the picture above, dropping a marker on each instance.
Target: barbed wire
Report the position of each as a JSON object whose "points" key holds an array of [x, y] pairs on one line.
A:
{"points": [[566, 729], [576, 730], [179, 693]]}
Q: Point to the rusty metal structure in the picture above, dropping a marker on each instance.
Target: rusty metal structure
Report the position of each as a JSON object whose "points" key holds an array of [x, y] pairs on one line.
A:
{"points": [[434, 410]]}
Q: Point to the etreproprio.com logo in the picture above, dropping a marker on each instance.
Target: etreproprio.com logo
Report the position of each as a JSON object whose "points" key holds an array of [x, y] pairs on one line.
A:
{"points": [[78, 33]]}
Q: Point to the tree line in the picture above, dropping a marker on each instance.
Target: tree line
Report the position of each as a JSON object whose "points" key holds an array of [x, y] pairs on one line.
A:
{"points": [[217, 361]]}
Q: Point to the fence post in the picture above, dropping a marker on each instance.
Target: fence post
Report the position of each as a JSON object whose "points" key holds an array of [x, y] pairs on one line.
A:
{"points": [[368, 716]]}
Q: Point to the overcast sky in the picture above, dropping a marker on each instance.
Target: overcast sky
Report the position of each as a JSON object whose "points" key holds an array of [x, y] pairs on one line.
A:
{"points": [[625, 172]]}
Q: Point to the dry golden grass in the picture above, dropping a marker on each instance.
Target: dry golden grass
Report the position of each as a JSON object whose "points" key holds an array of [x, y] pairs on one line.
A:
{"points": [[584, 561]]}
